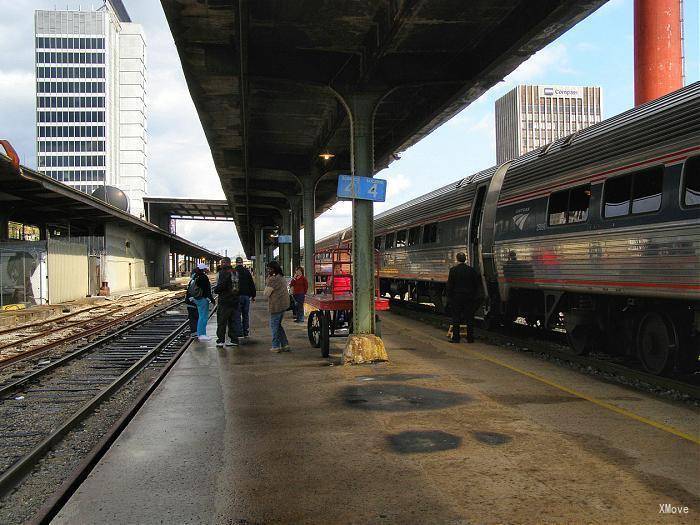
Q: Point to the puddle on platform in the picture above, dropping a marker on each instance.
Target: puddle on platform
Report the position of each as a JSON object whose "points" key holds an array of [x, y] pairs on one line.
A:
{"points": [[417, 441], [398, 397], [491, 438]]}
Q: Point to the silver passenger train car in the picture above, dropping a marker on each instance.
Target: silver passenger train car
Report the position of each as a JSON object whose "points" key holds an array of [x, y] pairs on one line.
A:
{"points": [[598, 232]]}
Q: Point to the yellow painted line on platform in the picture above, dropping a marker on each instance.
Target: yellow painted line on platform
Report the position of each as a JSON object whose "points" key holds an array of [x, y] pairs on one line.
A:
{"points": [[603, 404], [595, 401]]}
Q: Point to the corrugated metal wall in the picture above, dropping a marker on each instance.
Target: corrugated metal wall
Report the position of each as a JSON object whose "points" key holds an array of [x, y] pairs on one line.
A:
{"points": [[67, 271]]}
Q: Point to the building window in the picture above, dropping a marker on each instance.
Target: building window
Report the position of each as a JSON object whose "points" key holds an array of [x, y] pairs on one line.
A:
{"points": [[378, 242], [635, 193], [23, 232], [691, 182]]}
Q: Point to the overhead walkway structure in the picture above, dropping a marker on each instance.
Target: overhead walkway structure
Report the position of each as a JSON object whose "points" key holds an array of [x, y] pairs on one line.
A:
{"points": [[291, 94]]}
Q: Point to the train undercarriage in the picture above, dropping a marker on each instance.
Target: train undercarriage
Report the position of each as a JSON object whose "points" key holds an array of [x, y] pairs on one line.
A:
{"points": [[663, 335]]}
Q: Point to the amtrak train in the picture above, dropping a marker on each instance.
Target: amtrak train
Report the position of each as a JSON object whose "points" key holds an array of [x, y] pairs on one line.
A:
{"points": [[597, 233]]}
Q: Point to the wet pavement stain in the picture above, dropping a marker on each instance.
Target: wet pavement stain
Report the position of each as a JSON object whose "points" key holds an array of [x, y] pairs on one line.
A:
{"points": [[491, 438], [417, 441], [395, 377], [388, 397]]}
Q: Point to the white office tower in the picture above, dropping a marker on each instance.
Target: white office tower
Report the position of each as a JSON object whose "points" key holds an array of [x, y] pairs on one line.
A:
{"points": [[91, 100], [529, 117]]}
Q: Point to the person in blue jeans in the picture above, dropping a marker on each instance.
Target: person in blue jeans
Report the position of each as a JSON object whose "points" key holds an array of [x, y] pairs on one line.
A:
{"points": [[199, 292], [277, 303], [246, 290]]}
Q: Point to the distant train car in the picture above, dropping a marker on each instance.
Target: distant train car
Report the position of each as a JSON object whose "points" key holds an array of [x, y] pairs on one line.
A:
{"points": [[598, 232]]}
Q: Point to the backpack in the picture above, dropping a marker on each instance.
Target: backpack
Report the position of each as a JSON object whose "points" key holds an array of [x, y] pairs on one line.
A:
{"points": [[194, 290], [230, 286]]}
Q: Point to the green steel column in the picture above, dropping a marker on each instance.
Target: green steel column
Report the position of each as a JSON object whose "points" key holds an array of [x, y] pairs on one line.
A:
{"points": [[259, 264], [309, 205], [295, 203], [286, 249], [362, 106]]}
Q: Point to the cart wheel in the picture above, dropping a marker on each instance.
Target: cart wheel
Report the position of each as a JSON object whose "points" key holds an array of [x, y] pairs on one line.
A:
{"points": [[314, 329], [325, 341]]}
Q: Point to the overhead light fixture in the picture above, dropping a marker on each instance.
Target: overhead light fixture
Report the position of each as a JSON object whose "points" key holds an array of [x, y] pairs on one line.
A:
{"points": [[326, 156]]}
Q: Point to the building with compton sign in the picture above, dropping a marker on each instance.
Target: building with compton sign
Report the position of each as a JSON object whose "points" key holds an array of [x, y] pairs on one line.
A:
{"points": [[91, 100], [529, 117]]}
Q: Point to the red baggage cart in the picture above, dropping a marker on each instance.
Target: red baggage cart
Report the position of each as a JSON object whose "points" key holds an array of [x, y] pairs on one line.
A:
{"points": [[329, 308]]}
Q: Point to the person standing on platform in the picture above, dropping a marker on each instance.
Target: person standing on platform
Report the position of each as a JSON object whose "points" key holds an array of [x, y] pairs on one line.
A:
{"points": [[277, 304], [299, 286], [199, 291], [462, 290], [192, 316], [227, 289], [246, 291]]}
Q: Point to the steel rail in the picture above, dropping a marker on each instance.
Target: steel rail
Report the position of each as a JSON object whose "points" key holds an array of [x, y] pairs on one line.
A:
{"points": [[100, 328], [10, 387], [52, 319], [23, 466]]}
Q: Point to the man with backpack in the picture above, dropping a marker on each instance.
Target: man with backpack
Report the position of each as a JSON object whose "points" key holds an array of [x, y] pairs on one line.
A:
{"points": [[247, 294], [228, 290]]}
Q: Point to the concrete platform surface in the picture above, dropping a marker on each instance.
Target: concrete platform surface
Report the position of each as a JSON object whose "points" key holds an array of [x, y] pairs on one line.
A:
{"points": [[455, 434]]}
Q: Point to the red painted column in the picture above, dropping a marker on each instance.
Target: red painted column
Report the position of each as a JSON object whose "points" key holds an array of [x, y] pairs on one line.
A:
{"points": [[658, 52]]}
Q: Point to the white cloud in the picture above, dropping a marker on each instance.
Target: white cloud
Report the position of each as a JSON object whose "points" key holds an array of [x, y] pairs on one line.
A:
{"points": [[550, 60]]}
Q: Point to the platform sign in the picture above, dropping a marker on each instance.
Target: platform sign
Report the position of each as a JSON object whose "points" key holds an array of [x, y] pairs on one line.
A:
{"points": [[364, 188], [284, 239]]}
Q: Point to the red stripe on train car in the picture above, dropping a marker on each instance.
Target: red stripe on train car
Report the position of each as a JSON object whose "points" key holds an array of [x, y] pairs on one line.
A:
{"points": [[616, 284]]}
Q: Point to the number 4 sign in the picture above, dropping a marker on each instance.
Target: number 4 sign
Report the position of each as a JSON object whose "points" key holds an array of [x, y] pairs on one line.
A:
{"points": [[364, 188]]}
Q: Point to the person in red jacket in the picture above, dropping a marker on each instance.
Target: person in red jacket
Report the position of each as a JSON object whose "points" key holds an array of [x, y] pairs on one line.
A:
{"points": [[299, 286]]}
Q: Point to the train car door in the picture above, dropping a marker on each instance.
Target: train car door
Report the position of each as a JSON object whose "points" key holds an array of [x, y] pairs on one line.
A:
{"points": [[481, 235], [475, 217]]}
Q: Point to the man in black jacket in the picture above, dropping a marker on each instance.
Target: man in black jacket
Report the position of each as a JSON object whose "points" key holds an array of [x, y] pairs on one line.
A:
{"points": [[246, 292], [462, 291], [227, 289]]}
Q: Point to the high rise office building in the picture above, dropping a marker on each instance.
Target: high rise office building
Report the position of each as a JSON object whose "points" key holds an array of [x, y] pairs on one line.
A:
{"points": [[90, 99], [529, 117]]}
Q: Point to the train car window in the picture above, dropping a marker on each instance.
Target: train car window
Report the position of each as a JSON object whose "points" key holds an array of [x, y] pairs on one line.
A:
{"points": [[569, 206], [389, 240], [647, 188], [401, 239], [430, 233], [579, 200], [378, 242], [691, 189], [558, 203], [414, 235], [617, 196]]}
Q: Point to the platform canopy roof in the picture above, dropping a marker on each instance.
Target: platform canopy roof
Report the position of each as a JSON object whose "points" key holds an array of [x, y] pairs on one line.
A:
{"points": [[188, 209], [34, 198], [263, 73]]}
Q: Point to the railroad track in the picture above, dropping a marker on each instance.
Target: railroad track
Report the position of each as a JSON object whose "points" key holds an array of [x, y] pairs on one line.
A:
{"points": [[40, 409], [553, 344], [29, 340]]}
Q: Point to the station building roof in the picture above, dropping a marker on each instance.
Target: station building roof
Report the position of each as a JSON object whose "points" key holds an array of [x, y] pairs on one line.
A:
{"points": [[29, 196], [264, 76]]}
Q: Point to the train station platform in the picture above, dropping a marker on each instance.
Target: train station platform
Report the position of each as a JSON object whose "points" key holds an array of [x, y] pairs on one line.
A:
{"points": [[440, 434]]}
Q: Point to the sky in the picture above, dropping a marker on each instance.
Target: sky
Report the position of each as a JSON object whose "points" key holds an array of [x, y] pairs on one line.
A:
{"points": [[598, 51]]}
